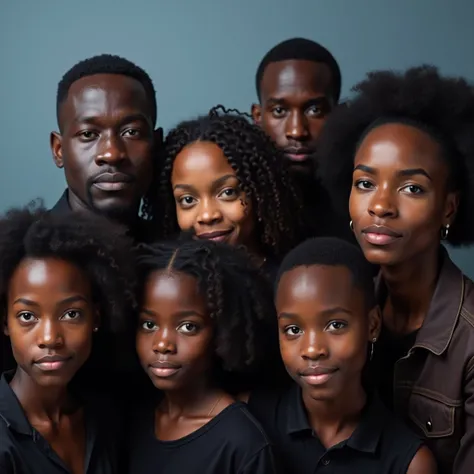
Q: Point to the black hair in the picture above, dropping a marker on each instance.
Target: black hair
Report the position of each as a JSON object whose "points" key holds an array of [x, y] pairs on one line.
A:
{"points": [[106, 64], [440, 106], [259, 167], [333, 252], [95, 245], [305, 50], [238, 296]]}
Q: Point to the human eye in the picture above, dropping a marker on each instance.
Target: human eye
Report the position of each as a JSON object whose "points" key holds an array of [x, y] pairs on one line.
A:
{"points": [[188, 328], [278, 111], [87, 135], [27, 317], [148, 325], [71, 315], [229, 193], [336, 326], [131, 133], [292, 330], [186, 201], [315, 111], [413, 189], [363, 184]]}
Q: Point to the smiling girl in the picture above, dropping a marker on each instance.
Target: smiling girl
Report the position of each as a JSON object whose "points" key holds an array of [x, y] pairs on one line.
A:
{"points": [[401, 157]]}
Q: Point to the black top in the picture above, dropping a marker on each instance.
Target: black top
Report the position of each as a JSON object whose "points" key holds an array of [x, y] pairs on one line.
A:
{"points": [[380, 444], [24, 451], [389, 349], [232, 442]]}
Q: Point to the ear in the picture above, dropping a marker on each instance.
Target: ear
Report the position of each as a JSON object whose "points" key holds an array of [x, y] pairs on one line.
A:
{"points": [[55, 141], [451, 208], [257, 114], [375, 323], [158, 138]]}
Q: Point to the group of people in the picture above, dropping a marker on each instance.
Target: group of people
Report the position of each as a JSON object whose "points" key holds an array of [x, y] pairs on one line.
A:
{"points": [[255, 293]]}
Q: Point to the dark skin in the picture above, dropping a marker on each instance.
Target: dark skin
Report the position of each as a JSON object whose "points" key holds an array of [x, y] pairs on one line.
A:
{"points": [[400, 184], [325, 328], [106, 145], [295, 100], [209, 199], [175, 346], [50, 313]]}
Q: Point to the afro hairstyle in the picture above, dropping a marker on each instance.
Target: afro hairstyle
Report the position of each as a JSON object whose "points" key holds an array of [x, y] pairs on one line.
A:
{"points": [[106, 64], [238, 297], [305, 50], [441, 106]]}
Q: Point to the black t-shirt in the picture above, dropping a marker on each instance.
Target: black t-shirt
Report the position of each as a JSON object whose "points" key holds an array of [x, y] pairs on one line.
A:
{"points": [[24, 451], [389, 349], [381, 444], [232, 442]]}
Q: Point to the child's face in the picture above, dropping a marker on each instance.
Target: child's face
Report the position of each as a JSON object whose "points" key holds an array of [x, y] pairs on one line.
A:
{"points": [[208, 197], [50, 319], [324, 329], [175, 332]]}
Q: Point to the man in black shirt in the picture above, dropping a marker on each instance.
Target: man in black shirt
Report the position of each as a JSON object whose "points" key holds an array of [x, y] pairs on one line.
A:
{"points": [[107, 143]]}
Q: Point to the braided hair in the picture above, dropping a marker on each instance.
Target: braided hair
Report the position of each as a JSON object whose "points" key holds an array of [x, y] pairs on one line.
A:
{"points": [[237, 295], [259, 168]]}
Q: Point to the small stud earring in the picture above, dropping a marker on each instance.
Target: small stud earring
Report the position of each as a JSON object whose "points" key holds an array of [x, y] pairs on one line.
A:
{"points": [[445, 232], [374, 340], [95, 329]]}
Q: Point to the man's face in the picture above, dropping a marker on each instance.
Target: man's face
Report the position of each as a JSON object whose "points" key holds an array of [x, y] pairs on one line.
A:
{"points": [[295, 100], [106, 145]]}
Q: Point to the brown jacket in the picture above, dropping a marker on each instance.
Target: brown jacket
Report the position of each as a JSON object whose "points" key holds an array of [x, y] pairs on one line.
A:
{"points": [[434, 384]]}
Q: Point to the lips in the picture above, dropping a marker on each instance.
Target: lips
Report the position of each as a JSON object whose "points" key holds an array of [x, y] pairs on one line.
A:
{"points": [[113, 181], [298, 155], [317, 375], [164, 369], [380, 235], [51, 363], [216, 236]]}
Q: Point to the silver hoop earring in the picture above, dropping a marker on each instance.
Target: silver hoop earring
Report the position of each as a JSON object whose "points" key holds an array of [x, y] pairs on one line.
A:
{"points": [[445, 232], [374, 340], [351, 225]]}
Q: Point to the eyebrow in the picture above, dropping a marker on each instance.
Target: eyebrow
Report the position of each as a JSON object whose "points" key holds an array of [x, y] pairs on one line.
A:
{"points": [[315, 100], [215, 184], [180, 314], [326, 312], [69, 300], [93, 119], [404, 173]]}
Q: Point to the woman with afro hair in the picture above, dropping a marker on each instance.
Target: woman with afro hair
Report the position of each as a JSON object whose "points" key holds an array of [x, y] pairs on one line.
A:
{"points": [[206, 317], [222, 177], [400, 158], [64, 283]]}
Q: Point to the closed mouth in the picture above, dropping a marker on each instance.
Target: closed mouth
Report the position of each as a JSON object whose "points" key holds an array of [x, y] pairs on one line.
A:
{"points": [[216, 235], [52, 362], [113, 181], [380, 235]]}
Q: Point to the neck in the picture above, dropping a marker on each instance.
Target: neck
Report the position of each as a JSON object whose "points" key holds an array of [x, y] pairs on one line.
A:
{"points": [[338, 412], [39, 402], [408, 295], [190, 401]]}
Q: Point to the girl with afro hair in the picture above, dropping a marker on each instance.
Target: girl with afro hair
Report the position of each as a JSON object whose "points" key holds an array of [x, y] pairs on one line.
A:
{"points": [[400, 158], [64, 283], [223, 178], [206, 317]]}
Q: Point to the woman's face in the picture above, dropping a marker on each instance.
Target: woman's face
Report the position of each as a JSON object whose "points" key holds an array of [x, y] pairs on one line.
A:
{"points": [[399, 201], [208, 196]]}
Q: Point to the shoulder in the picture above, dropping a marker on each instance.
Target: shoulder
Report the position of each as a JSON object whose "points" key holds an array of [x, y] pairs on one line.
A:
{"points": [[423, 462]]}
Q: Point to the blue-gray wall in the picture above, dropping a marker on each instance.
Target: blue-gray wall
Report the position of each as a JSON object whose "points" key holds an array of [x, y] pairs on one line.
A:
{"points": [[199, 53]]}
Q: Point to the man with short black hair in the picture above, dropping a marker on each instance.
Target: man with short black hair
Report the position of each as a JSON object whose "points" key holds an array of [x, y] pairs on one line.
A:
{"points": [[107, 142]]}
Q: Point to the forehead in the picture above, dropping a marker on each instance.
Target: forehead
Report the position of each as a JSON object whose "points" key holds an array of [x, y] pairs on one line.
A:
{"points": [[201, 162], [178, 288], [53, 275], [104, 94], [295, 79], [320, 285], [401, 146]]}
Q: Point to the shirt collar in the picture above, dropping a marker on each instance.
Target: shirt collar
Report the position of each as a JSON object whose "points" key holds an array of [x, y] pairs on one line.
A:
{"points": [[366, 436], [11, 410], [62, 206], [437, 330]]}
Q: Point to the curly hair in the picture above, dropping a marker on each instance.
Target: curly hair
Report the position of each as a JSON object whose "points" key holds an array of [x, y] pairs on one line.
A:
{"points": [[259, 168], [98, 247], [444, 107], [238, 297]]}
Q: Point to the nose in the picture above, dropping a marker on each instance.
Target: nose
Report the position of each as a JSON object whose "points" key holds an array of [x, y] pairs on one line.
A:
{"points": [[209, 212], [111, 150], [297, 126], [383, 203], [50, 335], [164, 342], [314, 346]]}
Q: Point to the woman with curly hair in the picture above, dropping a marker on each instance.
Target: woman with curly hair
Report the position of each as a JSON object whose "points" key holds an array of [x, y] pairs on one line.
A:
{"points": [[402, 155], [222, 177], [63, 282], [203, 315]]}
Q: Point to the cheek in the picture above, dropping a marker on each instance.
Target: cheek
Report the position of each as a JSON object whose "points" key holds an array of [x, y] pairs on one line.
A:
{"points": [[316, 127], [143, 345], [195, 349], [289, 351], [186, 218], [358, 205], [352, 350], [274, 128]]}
